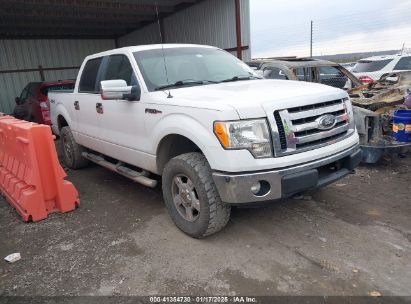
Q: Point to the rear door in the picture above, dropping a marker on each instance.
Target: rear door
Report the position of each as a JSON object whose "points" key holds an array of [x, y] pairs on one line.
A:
{"points": [[84, 104], [306, 74]]}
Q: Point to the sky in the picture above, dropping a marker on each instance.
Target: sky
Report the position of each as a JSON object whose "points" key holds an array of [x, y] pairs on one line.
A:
{"points": [[282, 27]]}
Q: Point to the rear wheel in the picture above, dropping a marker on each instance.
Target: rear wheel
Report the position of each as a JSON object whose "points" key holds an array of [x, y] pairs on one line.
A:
{"points": [[191, 196], [71, 150]]}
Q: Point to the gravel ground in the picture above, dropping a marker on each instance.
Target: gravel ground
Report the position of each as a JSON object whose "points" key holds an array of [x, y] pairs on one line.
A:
{"points": [[349, 238]]}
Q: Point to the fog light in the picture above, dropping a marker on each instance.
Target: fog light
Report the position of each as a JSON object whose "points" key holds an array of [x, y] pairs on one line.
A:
{"points": [[255, 189], [260, 188]]}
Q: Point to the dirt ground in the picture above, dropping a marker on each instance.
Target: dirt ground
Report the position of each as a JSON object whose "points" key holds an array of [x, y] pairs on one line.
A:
{"points": [[349, 238]]}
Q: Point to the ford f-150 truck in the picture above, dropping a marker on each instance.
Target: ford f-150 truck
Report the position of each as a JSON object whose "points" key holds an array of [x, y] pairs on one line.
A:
{"points": [[214, 131]]}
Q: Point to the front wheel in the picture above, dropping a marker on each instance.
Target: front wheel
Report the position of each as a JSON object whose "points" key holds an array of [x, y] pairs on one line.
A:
{"points": [[191, 196]]}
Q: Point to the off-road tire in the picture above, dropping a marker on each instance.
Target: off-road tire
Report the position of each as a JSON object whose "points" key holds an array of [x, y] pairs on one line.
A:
{"points": [[71, 150], [214, 214]]}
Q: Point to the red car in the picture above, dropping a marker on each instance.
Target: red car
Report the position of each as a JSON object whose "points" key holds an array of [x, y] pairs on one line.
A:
{"points": [[32, 105]]}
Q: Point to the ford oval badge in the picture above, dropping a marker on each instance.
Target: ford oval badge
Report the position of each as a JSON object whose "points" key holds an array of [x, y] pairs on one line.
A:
{"points": [[326, 122]]}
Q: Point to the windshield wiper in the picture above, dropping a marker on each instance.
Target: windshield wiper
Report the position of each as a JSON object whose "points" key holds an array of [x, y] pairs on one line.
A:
{"points": [[240, 77], [179, 83], [182, 83]]}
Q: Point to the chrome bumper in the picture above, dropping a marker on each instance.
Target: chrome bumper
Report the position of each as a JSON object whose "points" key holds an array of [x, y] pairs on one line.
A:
{"points": [[285, 182]]}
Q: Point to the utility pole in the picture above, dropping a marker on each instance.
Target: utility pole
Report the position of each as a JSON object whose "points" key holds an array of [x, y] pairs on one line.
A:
{"points": [[311, 40]]}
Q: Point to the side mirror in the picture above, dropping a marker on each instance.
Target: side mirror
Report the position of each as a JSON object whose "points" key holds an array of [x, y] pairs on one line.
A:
{"points": [[17, 100], [118, 89]]}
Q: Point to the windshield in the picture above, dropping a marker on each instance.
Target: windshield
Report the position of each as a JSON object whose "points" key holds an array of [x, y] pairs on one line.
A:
{"points": [[370, 65], [189, 65]]}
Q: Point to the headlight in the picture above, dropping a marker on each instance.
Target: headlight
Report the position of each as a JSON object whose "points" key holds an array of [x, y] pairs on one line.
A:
{"points": [[252, 135], [350, 112]]}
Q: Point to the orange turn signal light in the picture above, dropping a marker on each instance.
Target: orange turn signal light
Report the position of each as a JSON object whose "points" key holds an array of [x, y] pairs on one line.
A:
{"points": [[220, 130]]}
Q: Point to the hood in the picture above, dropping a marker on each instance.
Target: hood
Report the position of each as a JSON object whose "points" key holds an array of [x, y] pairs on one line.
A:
{"points": [[254, 98]]}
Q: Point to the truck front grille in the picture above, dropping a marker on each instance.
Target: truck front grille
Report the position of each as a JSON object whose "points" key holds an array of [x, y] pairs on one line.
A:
{"points": [[281, 132], [299, 129]]}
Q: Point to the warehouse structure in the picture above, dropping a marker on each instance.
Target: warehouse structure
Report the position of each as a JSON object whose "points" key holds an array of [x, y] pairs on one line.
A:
{"points": [[48, 39]]}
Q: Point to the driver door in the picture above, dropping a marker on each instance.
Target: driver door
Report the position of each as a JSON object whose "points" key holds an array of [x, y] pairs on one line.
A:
{"points": [[121, 121], [83, 106]]}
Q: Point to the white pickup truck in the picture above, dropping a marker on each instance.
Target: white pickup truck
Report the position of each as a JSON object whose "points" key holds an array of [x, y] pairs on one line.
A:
{"points": [[204, 121]]}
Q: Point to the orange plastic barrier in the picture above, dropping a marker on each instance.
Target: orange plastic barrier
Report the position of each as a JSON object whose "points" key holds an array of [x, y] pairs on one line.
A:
{"points": [[31, 177]]}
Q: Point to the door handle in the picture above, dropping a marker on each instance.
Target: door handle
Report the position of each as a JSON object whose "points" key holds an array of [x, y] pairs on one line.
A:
{"points": [[76, 105], [99, 108]]}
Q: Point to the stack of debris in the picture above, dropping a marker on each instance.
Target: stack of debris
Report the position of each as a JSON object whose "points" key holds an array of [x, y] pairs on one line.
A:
{"points": [[374, 107]]}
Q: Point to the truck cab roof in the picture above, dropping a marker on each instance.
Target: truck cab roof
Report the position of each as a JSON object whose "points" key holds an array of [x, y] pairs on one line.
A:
{"points": [[146, 47]]}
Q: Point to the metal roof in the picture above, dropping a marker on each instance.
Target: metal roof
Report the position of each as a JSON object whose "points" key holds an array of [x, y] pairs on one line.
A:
{"points": [[31, 19]]}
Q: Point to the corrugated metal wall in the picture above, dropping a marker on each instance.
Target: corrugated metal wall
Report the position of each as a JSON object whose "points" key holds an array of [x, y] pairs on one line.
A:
{"points": [[210, 22], [29, 54], [147, 35]]}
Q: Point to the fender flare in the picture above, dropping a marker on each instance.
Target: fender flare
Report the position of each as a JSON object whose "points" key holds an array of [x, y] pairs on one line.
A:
{"points": [[62, 111], [187, 127]]}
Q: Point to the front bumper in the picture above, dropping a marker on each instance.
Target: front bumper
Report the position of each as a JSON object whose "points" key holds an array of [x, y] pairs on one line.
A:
{"points": [[235, 188]]}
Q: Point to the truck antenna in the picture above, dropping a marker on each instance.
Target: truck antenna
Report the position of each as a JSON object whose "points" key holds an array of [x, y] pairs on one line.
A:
{"points": [[162, 49]]}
